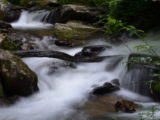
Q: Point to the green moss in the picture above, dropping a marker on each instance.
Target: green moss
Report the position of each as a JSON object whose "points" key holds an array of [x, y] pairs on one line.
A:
{"points": [[75, 33], [8, 44]]}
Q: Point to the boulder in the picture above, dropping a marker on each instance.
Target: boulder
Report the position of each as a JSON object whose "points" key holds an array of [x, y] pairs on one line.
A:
{"points": [[105, 89], [78, 12], [90, 51], [16, 77], [9, 44], [64, 13], [4, 25], [100, 106], [126, 106], [10, 12], [115, 82], [74, 33]]}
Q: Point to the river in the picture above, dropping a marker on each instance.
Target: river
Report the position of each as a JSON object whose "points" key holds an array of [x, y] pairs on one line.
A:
{"points": [[65, 90]]}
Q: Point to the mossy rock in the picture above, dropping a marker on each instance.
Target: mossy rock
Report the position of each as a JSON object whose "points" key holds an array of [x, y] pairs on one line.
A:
{"points": [[16, 77], [9, 44], [75, 32]]}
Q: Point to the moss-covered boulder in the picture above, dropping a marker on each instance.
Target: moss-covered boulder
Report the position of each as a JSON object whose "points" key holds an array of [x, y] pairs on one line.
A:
{"points": [[8, 44], [15, 76], [74, 33]]}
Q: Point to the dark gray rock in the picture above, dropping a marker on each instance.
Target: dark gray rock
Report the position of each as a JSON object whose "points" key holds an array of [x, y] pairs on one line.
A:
{"points": [[4, 25], [105, 89], [64, 13], [115, 82], [16, 77], [12, 13], [90, 51]]}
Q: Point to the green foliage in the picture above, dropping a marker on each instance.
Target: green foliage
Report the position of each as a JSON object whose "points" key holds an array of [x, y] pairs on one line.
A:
{"points": [[113, 26], [143, 14], [127, 9]]}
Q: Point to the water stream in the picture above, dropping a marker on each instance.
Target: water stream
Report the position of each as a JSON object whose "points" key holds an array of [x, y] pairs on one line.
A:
{"points": [[64, 90]]}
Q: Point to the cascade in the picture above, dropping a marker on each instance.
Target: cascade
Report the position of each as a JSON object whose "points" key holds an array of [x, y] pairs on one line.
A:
{"points": [[32, 20], [64, 90]]}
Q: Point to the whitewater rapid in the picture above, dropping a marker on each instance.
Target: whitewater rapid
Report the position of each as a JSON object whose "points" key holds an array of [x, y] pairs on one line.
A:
{"points": [[66, 89]]}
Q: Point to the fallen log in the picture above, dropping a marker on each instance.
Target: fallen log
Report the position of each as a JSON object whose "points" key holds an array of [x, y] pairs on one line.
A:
{"points": [[60, 55]]}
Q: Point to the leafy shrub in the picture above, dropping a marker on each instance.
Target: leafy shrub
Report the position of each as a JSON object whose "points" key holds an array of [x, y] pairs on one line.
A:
{"points": [[142, 13]]}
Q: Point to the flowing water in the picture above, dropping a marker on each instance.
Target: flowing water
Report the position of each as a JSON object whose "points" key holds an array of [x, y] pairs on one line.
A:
{"points": [[32, 20], [65, 90]]}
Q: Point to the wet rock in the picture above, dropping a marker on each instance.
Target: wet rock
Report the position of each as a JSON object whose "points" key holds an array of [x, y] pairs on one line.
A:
{"points": [[58, 66], [63, 43], [16, 77], [64, 13], [8, 44], [126, 106], [11, 12], [90, 51], [115, 82], [75, 32], [105, 89], [21, 41], [4, 25], [43, 4], [101, 105], [78, 12], [7, 101]]}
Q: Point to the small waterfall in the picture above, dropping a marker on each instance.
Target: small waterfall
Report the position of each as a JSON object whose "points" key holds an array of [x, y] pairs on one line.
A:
{"points": [[50, 17], [137, 79], [32, 20]]}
